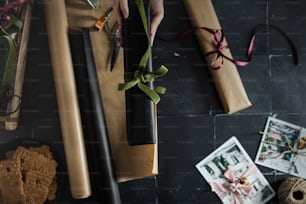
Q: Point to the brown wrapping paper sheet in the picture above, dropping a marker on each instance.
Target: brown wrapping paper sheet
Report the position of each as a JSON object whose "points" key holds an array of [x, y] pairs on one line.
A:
{"points": [[226, 79], [69, 112], [131, 162]]}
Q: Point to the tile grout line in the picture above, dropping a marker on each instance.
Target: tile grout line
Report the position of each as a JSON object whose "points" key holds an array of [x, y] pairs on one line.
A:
{"points": [[156, 190], [269, 56], [214, 134]]}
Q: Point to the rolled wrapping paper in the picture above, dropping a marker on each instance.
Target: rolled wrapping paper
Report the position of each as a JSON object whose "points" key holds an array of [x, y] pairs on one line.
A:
{"points": [[70, 120], [96, 136], [226, 79], [109, 189], [140, 110]]}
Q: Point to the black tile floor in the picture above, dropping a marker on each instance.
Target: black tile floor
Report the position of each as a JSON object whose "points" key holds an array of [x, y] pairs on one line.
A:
{"points": [[191, 121]]}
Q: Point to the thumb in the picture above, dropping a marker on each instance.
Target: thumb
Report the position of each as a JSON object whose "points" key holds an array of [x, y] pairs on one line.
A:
{"points": [[156, 20]]}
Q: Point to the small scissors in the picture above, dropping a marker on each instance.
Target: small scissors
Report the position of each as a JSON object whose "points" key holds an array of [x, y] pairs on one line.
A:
{"points": [[112, 33], [95, 4]]}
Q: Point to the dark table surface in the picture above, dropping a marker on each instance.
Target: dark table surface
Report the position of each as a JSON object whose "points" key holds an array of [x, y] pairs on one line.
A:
{"points": [[191, 121]]}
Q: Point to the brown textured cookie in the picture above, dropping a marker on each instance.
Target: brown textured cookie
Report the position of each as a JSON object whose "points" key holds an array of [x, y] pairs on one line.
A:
{"points": [[36, 187], [39, 169], [11, 185], [43, 150], [52, 189], [33, 175], [26, 156], [31, 160]]}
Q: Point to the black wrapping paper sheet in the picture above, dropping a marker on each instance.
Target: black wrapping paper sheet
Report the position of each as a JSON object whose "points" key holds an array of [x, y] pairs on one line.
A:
{"points": [[93, 121], [140, 114]]}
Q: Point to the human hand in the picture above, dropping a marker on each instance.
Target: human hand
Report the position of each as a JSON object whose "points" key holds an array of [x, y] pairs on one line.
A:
{"points": [[157, 13]]}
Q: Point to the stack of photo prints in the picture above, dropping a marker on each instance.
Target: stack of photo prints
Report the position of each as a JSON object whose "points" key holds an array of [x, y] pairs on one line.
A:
{"points": [[234, 177]]}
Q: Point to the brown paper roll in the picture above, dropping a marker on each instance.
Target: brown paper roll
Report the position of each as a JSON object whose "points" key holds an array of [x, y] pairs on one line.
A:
{"points": [[226, 79], [71, 126]]}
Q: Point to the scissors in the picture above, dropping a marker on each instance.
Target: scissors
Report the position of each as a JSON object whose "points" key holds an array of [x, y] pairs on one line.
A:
{"points": [[112, 34], [95, 4]]}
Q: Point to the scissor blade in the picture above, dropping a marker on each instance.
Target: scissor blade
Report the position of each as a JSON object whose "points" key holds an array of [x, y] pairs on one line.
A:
{"points": [[115, 54]]}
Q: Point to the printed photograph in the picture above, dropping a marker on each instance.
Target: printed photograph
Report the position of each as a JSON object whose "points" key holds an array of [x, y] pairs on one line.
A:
{"points": [[283, 147], [229, 166]]}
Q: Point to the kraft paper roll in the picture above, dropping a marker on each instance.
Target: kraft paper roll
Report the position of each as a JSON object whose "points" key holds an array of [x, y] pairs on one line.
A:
{"points": [[226, 79], [71, 126]]}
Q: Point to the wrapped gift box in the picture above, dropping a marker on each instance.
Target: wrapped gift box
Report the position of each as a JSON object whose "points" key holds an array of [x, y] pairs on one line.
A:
{"points": [[226, 79], [140, 114]]}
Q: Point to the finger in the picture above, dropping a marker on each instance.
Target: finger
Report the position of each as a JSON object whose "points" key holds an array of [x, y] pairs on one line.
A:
{"points": [[155, 21], [157, 14], [117, 11], [116, 6], [124, 7]]}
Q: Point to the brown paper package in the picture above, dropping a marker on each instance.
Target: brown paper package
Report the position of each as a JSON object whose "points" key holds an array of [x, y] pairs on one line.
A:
{"points": [[130, 162], [226, 79], [70, 119]]}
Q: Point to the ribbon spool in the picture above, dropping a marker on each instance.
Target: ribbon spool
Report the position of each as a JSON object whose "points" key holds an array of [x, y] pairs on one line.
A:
{"points": [[292, 191]]}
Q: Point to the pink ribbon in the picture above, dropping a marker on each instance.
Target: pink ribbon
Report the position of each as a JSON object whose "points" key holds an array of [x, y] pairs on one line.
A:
{"points": [[5, 11], [233, 185], [220, 46]]}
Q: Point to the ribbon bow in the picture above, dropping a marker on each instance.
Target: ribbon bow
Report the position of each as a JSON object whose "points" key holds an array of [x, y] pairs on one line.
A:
{"points": [[219, 43], [220, 46], [299, 150], [237, 187], [142, 76], [293, 150]]}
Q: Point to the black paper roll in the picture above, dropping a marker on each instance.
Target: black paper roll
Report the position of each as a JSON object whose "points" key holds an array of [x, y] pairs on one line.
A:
{"points": [[139, 108], [106, 187]]}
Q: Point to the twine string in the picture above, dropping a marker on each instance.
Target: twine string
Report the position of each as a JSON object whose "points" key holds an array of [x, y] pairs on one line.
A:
{"points": [[296, 151], [292, 191]]}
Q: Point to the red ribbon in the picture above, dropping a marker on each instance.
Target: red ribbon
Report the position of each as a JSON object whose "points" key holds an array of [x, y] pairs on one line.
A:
{"points": [[234, 185], [220, 46], [5, 11]]}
